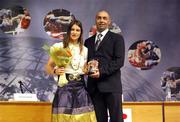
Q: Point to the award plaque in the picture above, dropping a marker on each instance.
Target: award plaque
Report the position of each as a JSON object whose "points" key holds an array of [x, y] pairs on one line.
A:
{"points": [[92, 66]]}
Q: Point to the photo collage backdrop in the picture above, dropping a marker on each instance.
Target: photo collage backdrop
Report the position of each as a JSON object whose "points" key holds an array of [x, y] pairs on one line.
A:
{"points": [[150, 30]]}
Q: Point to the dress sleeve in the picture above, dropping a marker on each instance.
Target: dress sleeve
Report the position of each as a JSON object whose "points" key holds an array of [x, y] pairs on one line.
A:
{"points": [[85, 54]]}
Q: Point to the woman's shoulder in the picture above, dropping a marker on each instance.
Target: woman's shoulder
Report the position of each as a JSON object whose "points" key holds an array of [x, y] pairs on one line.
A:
{"points": [[85, 48]]}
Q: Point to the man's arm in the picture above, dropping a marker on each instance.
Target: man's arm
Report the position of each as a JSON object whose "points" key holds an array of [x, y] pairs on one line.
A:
{"points": [[118, 58]]}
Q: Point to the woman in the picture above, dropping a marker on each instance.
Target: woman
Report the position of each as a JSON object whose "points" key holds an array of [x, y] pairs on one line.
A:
{"points": [[72, 102]]}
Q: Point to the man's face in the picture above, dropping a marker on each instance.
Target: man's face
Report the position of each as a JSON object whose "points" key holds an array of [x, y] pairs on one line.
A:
{"points": [[102, 21]]}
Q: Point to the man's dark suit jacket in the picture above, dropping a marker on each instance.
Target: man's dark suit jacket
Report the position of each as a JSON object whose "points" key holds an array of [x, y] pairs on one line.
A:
{"points": [[110, 55]]}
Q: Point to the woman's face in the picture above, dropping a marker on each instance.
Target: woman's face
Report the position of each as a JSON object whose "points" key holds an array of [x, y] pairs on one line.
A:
{"points": [[75, 33]]}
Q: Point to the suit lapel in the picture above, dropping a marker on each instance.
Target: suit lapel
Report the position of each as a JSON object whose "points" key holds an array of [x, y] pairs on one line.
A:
{"points": [[104, 40], [92, 42]]}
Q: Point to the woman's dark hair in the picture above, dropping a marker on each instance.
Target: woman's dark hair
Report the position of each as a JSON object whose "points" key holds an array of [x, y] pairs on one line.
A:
{"points": [[67, 38]]}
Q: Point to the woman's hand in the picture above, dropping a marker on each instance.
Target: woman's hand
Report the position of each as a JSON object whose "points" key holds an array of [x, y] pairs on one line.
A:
{"points": [[85, 68], [49, 67], [59, 70]]}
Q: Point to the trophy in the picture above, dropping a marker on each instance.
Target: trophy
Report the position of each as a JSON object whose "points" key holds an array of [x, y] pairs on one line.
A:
{"points": [[92, 66]]}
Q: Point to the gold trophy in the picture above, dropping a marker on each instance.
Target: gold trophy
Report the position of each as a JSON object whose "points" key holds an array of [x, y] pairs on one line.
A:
{"points": [[92, 66]]}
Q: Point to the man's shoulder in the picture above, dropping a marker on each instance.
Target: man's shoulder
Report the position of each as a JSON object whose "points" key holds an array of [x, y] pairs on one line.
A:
{"points": [[90, 39], [115, 34]]}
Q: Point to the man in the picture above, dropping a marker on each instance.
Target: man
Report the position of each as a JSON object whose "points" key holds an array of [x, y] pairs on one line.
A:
{"points": [[104, 85]]}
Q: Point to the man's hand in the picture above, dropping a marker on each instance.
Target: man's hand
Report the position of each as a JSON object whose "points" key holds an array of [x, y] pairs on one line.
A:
{"points": [[96, 74]]}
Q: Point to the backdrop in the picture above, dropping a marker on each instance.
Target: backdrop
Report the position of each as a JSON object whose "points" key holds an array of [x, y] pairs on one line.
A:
{"points": [[22, 57]]}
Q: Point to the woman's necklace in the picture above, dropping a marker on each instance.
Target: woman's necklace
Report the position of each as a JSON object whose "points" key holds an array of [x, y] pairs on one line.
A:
{"points": [[76, 58]]}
